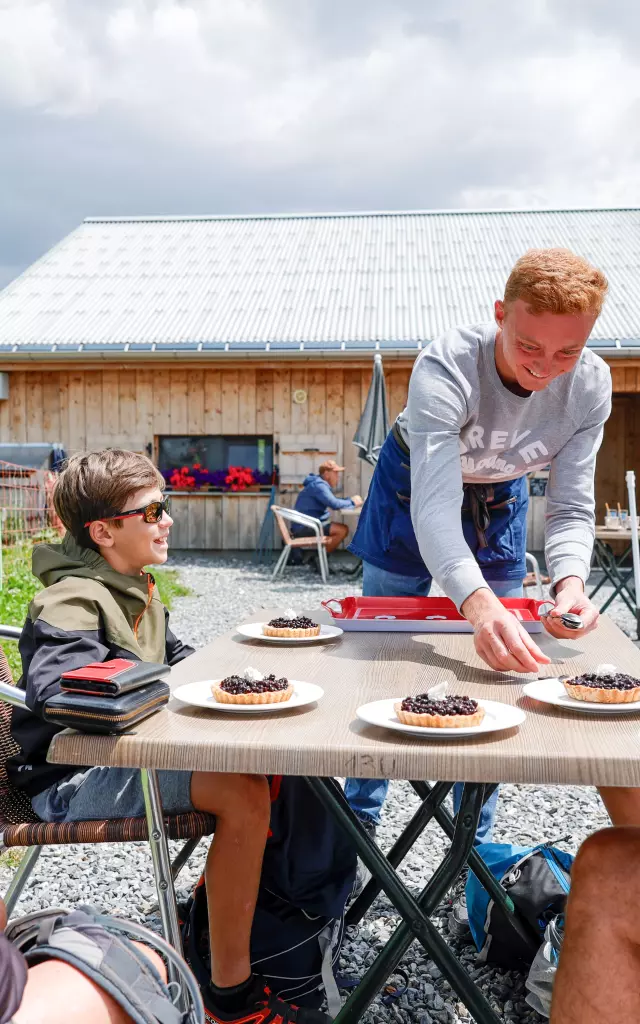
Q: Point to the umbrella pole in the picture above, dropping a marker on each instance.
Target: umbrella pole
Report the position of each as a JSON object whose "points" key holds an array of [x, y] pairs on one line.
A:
{"points": [[635, 549]]}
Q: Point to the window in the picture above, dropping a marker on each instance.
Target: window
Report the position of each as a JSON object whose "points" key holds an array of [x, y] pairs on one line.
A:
{"points": [[208, 458]]}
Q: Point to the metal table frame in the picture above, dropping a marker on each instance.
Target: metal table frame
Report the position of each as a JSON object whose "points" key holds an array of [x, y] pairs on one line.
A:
{"points": [[613, 573], [415, 913]]}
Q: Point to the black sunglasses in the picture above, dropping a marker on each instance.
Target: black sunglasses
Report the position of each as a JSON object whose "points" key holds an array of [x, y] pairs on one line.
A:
{"points": [[151, 513]]}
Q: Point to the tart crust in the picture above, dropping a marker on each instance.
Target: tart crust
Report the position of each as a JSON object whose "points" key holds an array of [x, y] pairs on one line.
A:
{"points": [[599, 695], [268, 697], [283, 631], [438, 721]]}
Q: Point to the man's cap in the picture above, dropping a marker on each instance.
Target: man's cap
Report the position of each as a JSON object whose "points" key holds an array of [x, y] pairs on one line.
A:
{"points": [[330, 464]]}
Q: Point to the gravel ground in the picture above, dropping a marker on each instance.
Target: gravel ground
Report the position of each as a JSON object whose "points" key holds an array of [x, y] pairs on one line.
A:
{"points": [[119, 879]]}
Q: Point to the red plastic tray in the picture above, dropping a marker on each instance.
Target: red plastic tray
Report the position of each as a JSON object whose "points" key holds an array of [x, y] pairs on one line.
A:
{"points": [[419, 614]]}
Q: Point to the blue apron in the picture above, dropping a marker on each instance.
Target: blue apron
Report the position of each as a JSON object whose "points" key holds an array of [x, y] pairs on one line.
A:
{"points": [[494, 521]]}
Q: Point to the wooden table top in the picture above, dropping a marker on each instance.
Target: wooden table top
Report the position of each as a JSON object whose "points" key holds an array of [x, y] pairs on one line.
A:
{"points": [[606, 533], [324, 739]]}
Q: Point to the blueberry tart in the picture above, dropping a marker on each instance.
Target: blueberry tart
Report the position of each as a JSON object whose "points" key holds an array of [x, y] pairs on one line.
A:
{"points": [[440, 713], [290, 624], [252, 687], [604, 686]]}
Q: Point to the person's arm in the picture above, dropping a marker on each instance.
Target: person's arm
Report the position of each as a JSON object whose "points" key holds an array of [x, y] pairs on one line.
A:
{"points": [[570, 519], [437, 409], [331, 499], [175, 649], [56, 651]]}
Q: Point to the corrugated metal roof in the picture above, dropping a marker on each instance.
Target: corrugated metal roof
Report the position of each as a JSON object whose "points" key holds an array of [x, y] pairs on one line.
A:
{"points": [[323, 281]]}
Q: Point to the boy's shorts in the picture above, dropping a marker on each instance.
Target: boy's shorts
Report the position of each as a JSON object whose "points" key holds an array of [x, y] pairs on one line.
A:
{"points": [[107, 793]]}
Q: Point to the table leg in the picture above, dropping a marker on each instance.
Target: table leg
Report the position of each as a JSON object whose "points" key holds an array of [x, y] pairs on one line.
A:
{"points": [[400, 849], [160, 857], [415, 918], [486, 878]]}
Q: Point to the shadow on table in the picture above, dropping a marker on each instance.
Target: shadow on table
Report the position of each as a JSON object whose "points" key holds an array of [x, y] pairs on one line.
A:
{"points": [[422, 652]]}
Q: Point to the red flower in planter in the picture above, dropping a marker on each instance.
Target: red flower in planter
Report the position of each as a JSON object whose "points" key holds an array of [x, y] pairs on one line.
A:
{"points": [[182, 479], [239, 478]]}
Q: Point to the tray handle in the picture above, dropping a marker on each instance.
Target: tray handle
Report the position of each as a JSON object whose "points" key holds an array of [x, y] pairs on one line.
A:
{"points": [[327, 604]]}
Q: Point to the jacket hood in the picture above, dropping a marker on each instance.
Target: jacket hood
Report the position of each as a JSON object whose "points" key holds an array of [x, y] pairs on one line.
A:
{"points": [[54, 562], [312, 478]]}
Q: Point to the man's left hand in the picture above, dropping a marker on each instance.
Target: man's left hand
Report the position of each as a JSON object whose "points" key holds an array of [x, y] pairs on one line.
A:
{"points": [[570, 597]]}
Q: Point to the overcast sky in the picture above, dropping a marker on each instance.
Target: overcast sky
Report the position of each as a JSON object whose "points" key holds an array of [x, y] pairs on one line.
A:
{"points": [[245, 106]]}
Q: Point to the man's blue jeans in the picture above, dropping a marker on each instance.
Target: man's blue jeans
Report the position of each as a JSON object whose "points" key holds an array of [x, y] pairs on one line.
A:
{"points": [[366, 796]]}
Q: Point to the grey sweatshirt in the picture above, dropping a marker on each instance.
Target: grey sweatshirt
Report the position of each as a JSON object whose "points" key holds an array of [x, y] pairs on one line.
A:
{"points": [[463, 425]]}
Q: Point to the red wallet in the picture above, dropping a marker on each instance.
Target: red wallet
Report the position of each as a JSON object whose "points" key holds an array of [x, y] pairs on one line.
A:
{"points": [[112, 678]]}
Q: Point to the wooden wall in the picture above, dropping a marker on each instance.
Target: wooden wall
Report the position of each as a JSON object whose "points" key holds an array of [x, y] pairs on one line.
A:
{"points": [[130, 406]]}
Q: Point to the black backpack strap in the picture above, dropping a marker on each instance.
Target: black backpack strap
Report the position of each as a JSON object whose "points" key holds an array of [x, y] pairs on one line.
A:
{"points": [[105, 955]]}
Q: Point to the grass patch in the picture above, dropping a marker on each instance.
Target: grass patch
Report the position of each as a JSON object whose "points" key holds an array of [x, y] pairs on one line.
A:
{"points": [[19, 586], [169, 585], [12, 857]]}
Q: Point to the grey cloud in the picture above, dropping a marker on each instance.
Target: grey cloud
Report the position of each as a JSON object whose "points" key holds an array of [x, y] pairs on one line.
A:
{"points": [[289, 105]]}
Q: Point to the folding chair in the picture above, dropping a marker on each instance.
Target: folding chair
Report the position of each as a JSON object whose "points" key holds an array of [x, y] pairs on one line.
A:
{"points": [[319, 541], [19, 826]]}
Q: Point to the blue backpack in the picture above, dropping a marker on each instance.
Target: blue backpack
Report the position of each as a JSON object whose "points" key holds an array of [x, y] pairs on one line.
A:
{"points": [[537, 879]]}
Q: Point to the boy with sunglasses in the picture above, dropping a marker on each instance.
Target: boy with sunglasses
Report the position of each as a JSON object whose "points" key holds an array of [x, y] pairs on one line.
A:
{"points": [[100, 603]]}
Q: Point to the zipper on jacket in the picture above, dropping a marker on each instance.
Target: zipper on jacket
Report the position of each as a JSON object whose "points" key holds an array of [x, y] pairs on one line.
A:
{"points": [[150, 588]]}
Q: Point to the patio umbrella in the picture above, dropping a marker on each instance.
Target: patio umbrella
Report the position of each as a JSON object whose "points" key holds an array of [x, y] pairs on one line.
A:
{"points": [[374, 422]]}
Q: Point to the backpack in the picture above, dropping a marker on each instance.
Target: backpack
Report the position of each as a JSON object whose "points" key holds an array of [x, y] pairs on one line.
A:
{"points": [[308, 872], [537, 880]]}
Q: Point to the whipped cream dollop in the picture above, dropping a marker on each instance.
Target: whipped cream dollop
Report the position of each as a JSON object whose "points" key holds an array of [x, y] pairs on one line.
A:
{"points": [[606, 669], [251, 675], [438, 692], [289, 613]]}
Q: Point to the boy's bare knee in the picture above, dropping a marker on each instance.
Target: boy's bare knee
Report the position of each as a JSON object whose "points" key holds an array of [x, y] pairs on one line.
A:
{"points": [[230, 795]]}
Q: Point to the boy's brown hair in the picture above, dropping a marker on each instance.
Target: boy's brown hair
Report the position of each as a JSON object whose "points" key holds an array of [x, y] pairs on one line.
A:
{"points": [[556, 281], [96, 485]]}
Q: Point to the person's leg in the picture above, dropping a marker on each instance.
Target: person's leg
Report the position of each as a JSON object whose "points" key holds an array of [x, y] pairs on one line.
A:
{"points": [[242, 806], [59, 994], [337, 533], [598, 979], [622, 804]]}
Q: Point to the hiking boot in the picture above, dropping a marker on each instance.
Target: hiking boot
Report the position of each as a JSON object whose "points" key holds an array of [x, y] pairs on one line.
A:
{"points": [[459, 917], [262, 1007], [362, 871]]}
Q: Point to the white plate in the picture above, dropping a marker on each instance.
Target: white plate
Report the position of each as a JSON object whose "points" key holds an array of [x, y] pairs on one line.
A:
{"points": [[497, 717], [254, 631], [551, 691], [200, 696]]}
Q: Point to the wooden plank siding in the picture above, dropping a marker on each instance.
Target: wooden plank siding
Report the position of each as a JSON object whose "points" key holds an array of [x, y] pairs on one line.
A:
{"points": [[132, 405]]}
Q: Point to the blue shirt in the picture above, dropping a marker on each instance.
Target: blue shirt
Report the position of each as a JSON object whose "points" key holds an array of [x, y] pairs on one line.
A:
{"points": [[316, 498]]}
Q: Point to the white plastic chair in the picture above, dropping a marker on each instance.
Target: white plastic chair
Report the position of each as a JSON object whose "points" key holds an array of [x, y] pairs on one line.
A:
{"points": [[319, 541], [535, 568]]}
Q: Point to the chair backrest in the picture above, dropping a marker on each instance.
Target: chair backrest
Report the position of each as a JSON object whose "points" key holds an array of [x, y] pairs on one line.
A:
{"points": [[283, 515], [15, 806]]}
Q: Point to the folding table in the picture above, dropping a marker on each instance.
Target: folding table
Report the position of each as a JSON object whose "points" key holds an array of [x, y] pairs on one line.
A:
{"points": [[327, 740]]}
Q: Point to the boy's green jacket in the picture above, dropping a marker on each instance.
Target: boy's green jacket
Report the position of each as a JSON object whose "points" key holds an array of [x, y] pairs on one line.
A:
{"points": [[87, 612]]}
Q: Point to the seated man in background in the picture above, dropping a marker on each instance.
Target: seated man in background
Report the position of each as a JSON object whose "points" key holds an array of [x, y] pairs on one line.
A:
{"points": [[598, 980], [317, 497]]}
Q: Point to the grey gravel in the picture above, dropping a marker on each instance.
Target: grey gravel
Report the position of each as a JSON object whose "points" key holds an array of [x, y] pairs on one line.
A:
{"points": [[227, 587]]}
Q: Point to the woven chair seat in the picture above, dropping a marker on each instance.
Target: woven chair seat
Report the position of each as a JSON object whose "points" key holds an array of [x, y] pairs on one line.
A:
{"points": [[119, 830]]}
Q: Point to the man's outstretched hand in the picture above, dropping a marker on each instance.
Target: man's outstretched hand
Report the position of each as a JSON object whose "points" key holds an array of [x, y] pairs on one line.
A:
{"points": [[570, 597], [500, 639]]}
